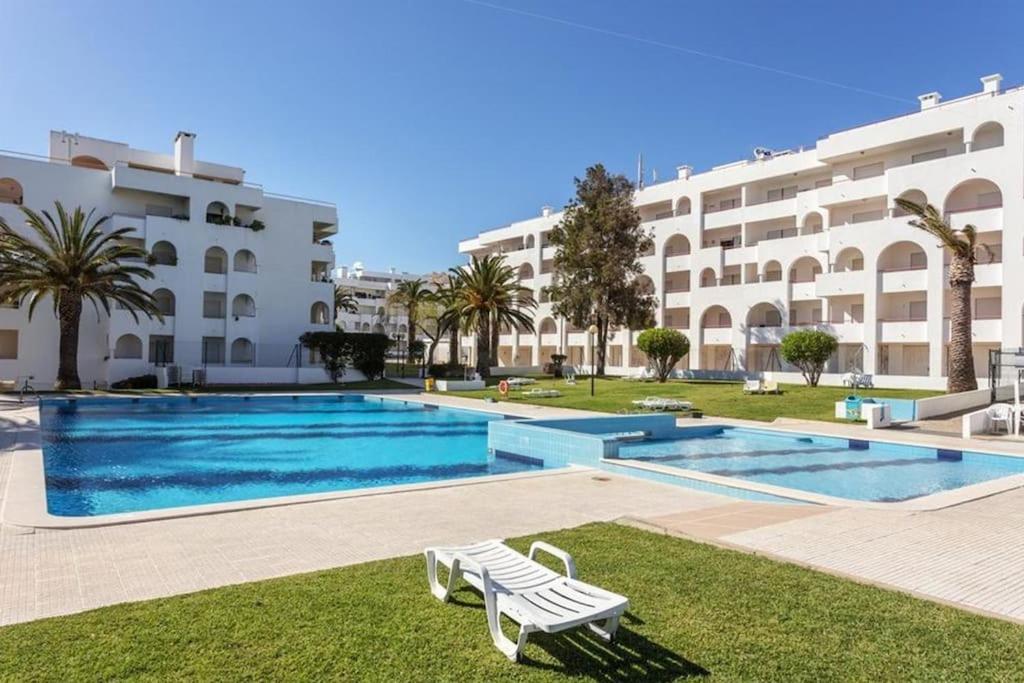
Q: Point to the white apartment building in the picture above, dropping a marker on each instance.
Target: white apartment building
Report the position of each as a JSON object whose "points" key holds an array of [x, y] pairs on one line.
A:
{"points": [[749, 251], [240, 272], [371, 289]]}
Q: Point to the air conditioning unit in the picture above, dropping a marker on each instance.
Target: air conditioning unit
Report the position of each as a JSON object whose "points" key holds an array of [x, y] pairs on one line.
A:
{"points": [[199, 377], [173, 375]]}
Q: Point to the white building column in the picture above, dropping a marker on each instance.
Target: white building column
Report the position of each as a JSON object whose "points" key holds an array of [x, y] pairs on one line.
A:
{"points": [[936, 294]]}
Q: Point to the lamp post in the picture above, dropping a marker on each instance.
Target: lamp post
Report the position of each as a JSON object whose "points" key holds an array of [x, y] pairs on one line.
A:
{"points": [[593, 333]]}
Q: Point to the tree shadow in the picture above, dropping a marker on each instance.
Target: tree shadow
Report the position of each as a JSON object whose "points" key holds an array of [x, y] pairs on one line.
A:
{"points": [[581, 653]]}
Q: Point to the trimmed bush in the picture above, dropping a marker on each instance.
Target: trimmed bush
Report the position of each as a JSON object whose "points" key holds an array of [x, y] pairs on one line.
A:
{"points": [[365, 352], [664, 348], [809, 350]]}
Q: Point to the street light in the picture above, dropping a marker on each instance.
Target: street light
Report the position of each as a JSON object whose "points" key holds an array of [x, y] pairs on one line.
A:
{"points": [[593, 333]]}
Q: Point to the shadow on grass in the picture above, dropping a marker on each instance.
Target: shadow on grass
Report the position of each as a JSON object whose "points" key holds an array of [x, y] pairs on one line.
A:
{"points": [[581, 653]]}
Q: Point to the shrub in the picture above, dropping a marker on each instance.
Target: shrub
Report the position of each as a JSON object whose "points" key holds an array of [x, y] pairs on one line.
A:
{"points": [[446, 371], [139, 382], [664, 348], [809, 350], [366, 352], [257, 225]]}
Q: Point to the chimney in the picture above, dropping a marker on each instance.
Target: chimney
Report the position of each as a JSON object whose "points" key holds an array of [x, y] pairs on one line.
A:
{"points": [[184, 153], [684, 172], [929, 100], [545, 211], [991, 83]]}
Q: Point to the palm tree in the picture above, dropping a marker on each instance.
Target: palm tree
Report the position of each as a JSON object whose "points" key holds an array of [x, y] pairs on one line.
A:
{"points": [[345, 300], [72, 262], [410, 294], [489, 296], [964, 251], [449, 321]]}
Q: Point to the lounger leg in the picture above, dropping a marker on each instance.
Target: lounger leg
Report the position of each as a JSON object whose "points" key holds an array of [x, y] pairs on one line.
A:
{"points": [[605, 629], [442, 593]]}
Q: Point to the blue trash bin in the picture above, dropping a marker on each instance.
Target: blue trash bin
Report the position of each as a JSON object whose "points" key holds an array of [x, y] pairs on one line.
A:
{"points": [[853, 404]]}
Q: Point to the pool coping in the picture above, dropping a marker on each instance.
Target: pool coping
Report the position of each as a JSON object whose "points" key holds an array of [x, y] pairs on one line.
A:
{"points": [[24, 500]]}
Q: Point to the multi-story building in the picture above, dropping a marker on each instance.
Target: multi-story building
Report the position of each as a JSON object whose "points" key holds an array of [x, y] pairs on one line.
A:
{"points": [[372, 289], [748, 251], [240, 273]]}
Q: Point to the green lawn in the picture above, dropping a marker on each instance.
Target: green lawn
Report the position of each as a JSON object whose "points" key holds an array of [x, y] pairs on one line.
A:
{"points": [[696, 610], [721, 399]]}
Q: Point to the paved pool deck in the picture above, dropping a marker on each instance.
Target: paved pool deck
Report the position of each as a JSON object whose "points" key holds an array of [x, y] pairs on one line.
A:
{"points": [[971, 555]]}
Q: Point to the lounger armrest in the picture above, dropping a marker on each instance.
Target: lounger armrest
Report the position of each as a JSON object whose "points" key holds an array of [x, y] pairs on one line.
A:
{"points": [[566, 558]]}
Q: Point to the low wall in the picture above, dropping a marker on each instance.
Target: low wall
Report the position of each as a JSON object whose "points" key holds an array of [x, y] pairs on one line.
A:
{"points": [[977, 422], [965, 400], [245, 374], [510, 370]]}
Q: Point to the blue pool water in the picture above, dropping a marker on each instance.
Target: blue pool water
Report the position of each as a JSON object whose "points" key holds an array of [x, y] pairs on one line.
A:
{"points": [[846, 468], [114, 455]]}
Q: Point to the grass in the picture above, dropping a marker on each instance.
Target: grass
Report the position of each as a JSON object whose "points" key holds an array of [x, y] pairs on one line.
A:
{"points": [[695, 611], [721, 399]]}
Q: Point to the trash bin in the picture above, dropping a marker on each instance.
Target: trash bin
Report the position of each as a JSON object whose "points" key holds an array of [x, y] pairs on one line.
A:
{"points": [[853, 404], [428, 384]]}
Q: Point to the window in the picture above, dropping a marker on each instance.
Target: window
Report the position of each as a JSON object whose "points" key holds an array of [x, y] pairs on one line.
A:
{"points": [[857, 264], [988, 308], [988, 200], [825, 182], [159, 210], [164, 254], [782, 193], [214, 305], [319, 314], [918, 260], [866, 216], [8, 344], [10, 191], [128, 346], [161, 349], [243, 306], [918, 310], [772, 318], [216, 261], [245, 261], [857, 313], [868, 170], [213, 350], [164, 301], [241, 351], [927, 156]]}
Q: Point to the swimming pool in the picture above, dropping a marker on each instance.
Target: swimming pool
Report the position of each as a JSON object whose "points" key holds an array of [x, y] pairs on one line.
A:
{"points": [[843, 468], [104, 456]]}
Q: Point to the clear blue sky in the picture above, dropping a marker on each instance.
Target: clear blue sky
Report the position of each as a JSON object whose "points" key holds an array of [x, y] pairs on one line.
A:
{"points": [[430, 120]]}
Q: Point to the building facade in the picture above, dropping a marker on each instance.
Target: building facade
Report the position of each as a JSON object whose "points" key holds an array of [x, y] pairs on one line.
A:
{"points": [[371, 289], [240, 272], [749, 251]]}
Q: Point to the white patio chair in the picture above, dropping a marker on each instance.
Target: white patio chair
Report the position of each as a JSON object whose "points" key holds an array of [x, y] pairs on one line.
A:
{"points": [[752, 386], [525, 591], [1000, 414]]}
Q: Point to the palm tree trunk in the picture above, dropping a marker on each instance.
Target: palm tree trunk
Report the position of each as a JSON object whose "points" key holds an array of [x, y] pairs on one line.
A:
{"points": [[453, 346], [483, 342], [495, 341], [69, 313], [961, 356]]}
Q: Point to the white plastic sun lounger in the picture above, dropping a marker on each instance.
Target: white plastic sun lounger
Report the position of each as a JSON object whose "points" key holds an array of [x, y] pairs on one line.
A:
{"points": [[658, 403], [542, 393], [525, 591]]}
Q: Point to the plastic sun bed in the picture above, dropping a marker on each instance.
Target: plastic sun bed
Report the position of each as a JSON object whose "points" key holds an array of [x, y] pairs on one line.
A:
{"points": [[658, 403], [525, 591], [542, 393], [520, 381]]}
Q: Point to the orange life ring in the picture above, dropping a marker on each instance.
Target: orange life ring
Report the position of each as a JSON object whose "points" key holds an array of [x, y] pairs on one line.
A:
{"points": [[503, 387]]}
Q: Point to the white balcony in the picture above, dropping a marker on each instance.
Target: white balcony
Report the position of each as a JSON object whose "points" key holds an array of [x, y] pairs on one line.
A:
{"points": [[677, 263], [120, 221], [988, 275], [720, 219], [127, 178], [738, 256], [767, 335], [842, 283], [846, 191], [215, 282], [985, 220], [677, 299], [982, 330], [549, 339], [717, 335], [902, 331], [548, 253], [894, 281], [766, 211], [845, 332], [803, 291]]}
